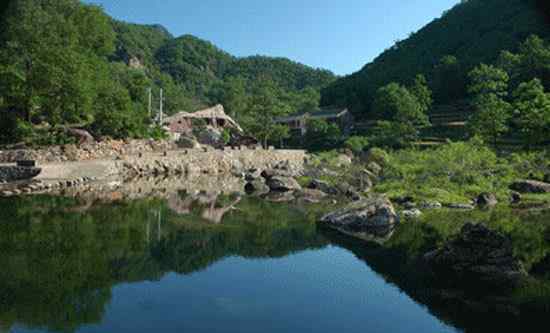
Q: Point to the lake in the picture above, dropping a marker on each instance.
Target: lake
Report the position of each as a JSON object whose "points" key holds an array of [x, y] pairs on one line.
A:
{"points": [[195, 264]]}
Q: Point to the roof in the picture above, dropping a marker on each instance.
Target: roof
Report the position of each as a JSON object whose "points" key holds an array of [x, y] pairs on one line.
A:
{"points": [[323, 113], [216, 112]]}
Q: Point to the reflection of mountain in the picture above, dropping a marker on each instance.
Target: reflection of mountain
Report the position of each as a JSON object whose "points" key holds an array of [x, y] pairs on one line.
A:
{"points": [[59, 263]]}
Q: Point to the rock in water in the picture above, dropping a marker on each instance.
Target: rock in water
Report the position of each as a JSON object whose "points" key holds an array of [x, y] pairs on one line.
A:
{"points": [[486, 200], [279, 197], [283, 184], [320, 185], [311, 196], [257, 187], [479, 254], [412, 213], [530, 186], [364, 219]]}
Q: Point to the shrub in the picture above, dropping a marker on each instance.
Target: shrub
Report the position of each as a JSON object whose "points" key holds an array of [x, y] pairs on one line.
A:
{"points": [[357, 143], [450, 173]]}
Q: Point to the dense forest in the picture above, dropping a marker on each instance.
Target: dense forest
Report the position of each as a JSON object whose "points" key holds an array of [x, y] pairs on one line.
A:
{"points": [[486, 62], [473, 32], [90, 71]]}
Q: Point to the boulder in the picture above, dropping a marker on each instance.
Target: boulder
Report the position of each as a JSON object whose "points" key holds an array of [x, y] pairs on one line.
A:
{"points": [[353, 195], [283, 184], [362, 219], [343, 160], [320, 185], [412, 213], [253, 174], [15, 173], [369, 174], [257, 187], [431, 205], [479, 254], [515, 197], [530, 186], [279, 197], [311, 195], [375, 168], [270, 173], [486, 200], [461, 206]]}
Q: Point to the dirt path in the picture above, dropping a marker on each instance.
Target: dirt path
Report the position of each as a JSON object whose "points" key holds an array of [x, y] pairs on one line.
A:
{"points": [[96, 169]]}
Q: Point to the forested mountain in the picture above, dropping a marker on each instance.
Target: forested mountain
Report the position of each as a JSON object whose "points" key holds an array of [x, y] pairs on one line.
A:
{"points": [[139, 41], [90, 70], [473, 32]]}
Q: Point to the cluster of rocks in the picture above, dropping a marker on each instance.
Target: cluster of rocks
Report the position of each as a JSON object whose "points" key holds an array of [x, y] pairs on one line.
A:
{"points": [[11, 173], [107, 149], [277, 184], [479, 254], [209, 161], [530, 186], [38, 186]]}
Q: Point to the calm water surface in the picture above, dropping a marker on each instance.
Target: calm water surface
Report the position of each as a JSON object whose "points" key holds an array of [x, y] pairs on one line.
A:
{"points": [[187, 264]]}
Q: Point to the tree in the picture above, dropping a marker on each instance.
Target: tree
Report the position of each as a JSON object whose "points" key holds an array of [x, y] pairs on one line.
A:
{"points": [[487, 79], [260, 118], [449, 81], [532, 105], [357, 143], [55, 68], [321, 135], [235, 98], [532, 61], [488, 86], [491, 118], [422, 92], [115, 115], [394, 104]]}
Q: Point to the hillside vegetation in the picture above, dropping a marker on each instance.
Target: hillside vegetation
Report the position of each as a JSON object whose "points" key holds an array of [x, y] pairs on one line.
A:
{"points": [[473, 32], [90, 71]]}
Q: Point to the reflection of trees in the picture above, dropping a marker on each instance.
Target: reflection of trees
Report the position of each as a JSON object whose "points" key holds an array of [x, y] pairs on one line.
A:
{"points": [[473, 308], [59, 263]]}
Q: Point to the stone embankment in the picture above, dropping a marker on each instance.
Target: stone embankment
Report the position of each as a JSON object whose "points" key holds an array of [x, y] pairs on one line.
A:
{"points": [[61, 171], [210, 161], [104, 150]]}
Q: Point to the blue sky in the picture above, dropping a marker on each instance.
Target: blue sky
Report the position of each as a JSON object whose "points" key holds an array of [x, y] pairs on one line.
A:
{"points": [[338, 35]]}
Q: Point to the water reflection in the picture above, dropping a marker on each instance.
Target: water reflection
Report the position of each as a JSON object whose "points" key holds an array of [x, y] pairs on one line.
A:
{"points": [[63, 258], [60, 257], [211, 207]]}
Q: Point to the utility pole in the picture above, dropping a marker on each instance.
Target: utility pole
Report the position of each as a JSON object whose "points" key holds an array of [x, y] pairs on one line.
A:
{"points": [[161, 105]]}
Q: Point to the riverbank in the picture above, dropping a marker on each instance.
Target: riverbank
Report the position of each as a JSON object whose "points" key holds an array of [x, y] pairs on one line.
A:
{"points": [[71, 166]]}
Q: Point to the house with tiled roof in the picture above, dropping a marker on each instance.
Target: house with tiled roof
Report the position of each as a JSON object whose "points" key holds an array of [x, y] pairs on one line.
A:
{"points": [[298, 122]]}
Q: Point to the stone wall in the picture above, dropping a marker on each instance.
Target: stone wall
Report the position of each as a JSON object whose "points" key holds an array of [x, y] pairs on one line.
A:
{"points": [[198, 161], [109, 149]]}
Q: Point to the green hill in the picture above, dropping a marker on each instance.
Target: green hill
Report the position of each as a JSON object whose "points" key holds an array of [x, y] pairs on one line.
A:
{"points": [[472, 32], [91, 71]]}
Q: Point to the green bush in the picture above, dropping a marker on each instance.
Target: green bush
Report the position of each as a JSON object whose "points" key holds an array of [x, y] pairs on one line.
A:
{"points": [[357, 143], [455, 172]]}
